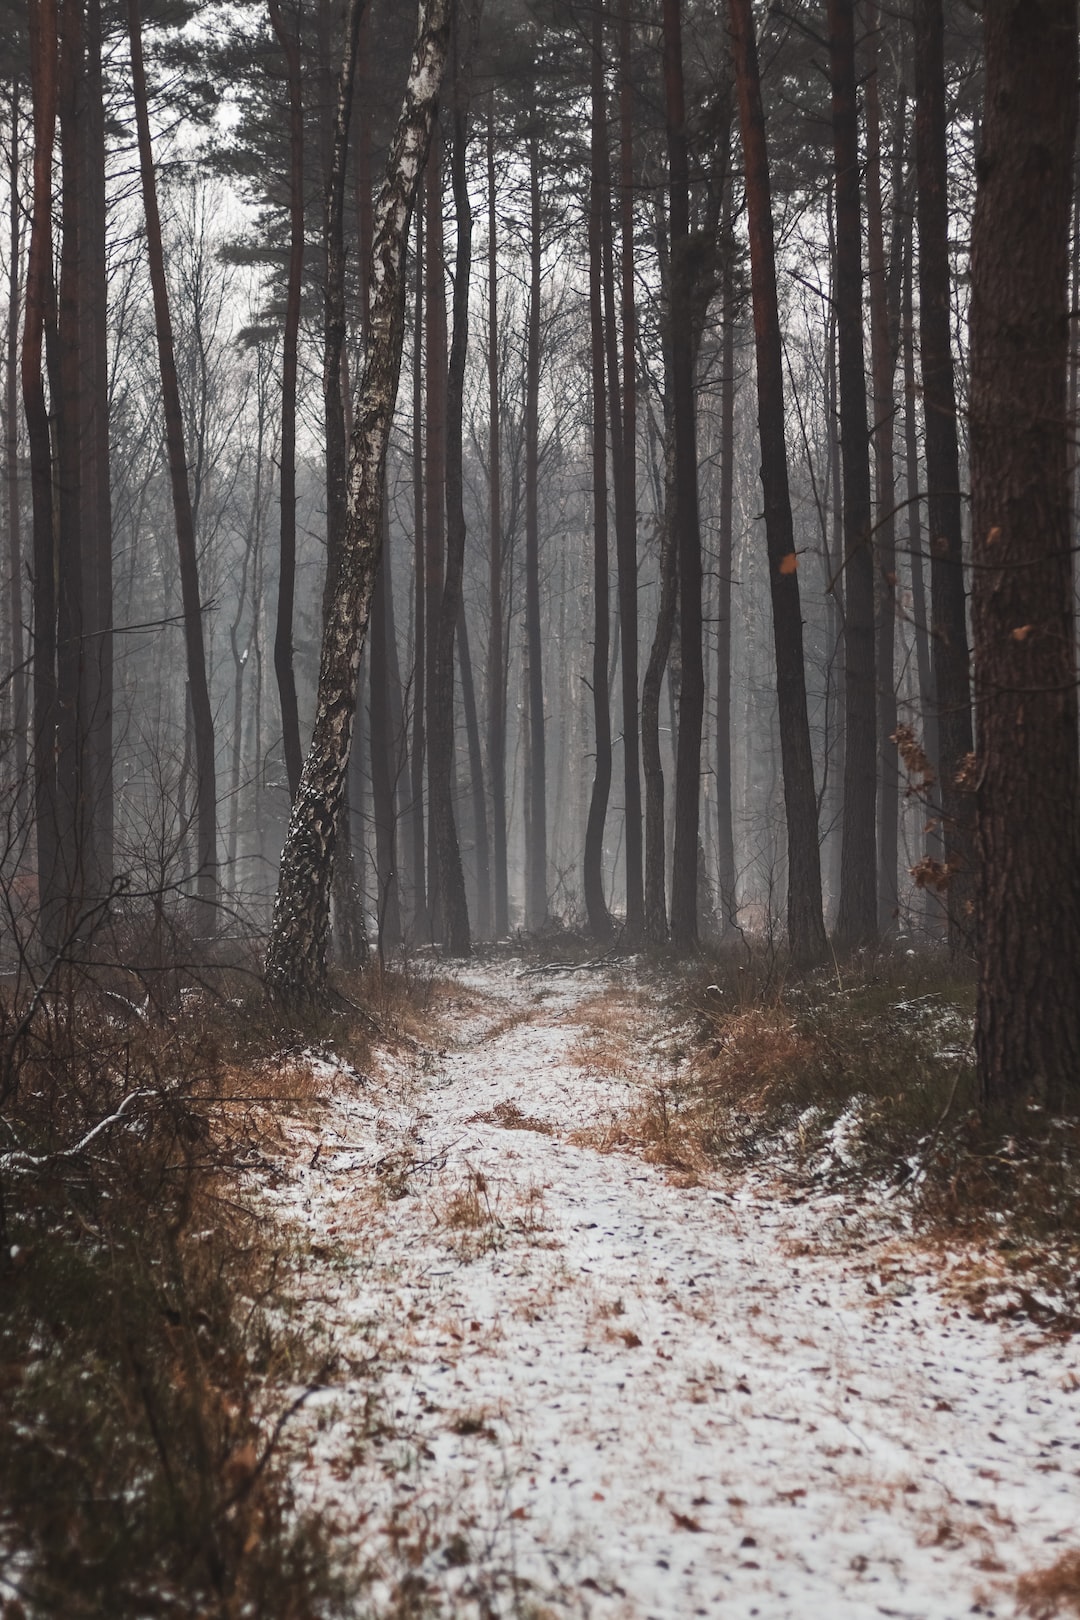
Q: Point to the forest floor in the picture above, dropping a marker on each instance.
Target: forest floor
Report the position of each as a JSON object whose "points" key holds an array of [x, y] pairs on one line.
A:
{"points": [[573, 1382]]}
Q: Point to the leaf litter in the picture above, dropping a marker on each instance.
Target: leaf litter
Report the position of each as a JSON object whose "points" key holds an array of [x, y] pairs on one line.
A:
{"points": [[572, 1385]]}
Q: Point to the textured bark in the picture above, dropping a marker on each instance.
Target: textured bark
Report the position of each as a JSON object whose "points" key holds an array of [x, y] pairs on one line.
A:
{"points": [[600, 925], [434, 485], [656, 927], [388, 911], [1027, 1031], [348, 906], [450, 877], [920, 617], [684, 876], [626, 507], [421, 922], [806, 930], [856, 922], [96, 695], [536, 898], [481, 840], [202, 714], [40, 302], [19, 715], [883, 360], [496, 674], [296, 957], [283, 635], [948, 614], [725, 832]]}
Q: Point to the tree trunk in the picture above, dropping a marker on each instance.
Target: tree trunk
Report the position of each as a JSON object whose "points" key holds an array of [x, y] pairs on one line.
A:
{"points": [[203, 719], [656, 928], [725, 832], [920, 617], [806, 930], [1027, 1029], [684, 878], [536, 900], [350, 936], [296, 957], [626, 508], [283, 637], [496, 675], [948, 614], [856, 922], [883, 360], [452, 903], [40, 310], [388, 909], [96, 699], [599, 193], [19, 716], [476, 774], [421, 922], [434, 491]]}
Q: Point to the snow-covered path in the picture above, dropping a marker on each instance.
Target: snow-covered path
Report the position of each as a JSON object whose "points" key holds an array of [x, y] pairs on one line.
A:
{"points": [[603, 1394]]}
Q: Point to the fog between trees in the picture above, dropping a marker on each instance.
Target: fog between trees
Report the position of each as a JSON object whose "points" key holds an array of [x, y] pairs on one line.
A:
{"points": [[682, 311]]}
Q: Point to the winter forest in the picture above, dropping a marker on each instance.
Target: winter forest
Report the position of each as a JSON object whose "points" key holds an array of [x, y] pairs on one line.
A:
{"points": [[518, 493]]}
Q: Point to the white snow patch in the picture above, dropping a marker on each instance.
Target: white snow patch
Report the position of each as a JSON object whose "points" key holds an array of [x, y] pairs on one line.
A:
{"points": [[603, 1395]]}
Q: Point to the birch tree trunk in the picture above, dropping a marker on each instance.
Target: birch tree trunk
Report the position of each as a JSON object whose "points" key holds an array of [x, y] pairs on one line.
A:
{"points": [[295, 970]]}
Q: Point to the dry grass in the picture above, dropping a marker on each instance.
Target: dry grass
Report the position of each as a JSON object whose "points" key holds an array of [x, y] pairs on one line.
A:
{"points": [[1046, 1593], [142, 1329], [509, 1117], [869, 1076], [613, 1023]]}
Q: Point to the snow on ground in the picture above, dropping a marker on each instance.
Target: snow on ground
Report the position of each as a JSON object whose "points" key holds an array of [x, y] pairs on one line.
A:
{"points": [[575, 1388]]}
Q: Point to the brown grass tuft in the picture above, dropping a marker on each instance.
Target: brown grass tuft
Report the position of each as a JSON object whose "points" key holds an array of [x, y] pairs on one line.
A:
{"points": [[1054, 1591]]}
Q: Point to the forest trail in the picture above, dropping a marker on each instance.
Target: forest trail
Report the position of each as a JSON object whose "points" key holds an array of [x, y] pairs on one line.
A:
{"points": [[570, 1384]]}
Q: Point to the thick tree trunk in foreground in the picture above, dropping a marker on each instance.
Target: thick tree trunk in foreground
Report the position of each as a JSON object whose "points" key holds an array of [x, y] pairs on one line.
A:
{"points": [[296, 957], [949, 649], [856, 922], [1027, 1032], [806, 930], [684, 874], [202, 714], [348, 905]]}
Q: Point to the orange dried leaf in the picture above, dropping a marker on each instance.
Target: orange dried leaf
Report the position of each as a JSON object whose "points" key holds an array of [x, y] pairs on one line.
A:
{"points": [[790, 563], [1022, 632]]}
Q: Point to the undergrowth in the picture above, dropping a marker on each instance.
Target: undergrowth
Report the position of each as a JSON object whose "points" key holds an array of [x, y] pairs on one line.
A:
{"points": [[146, 1374], [862, 1075]]}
